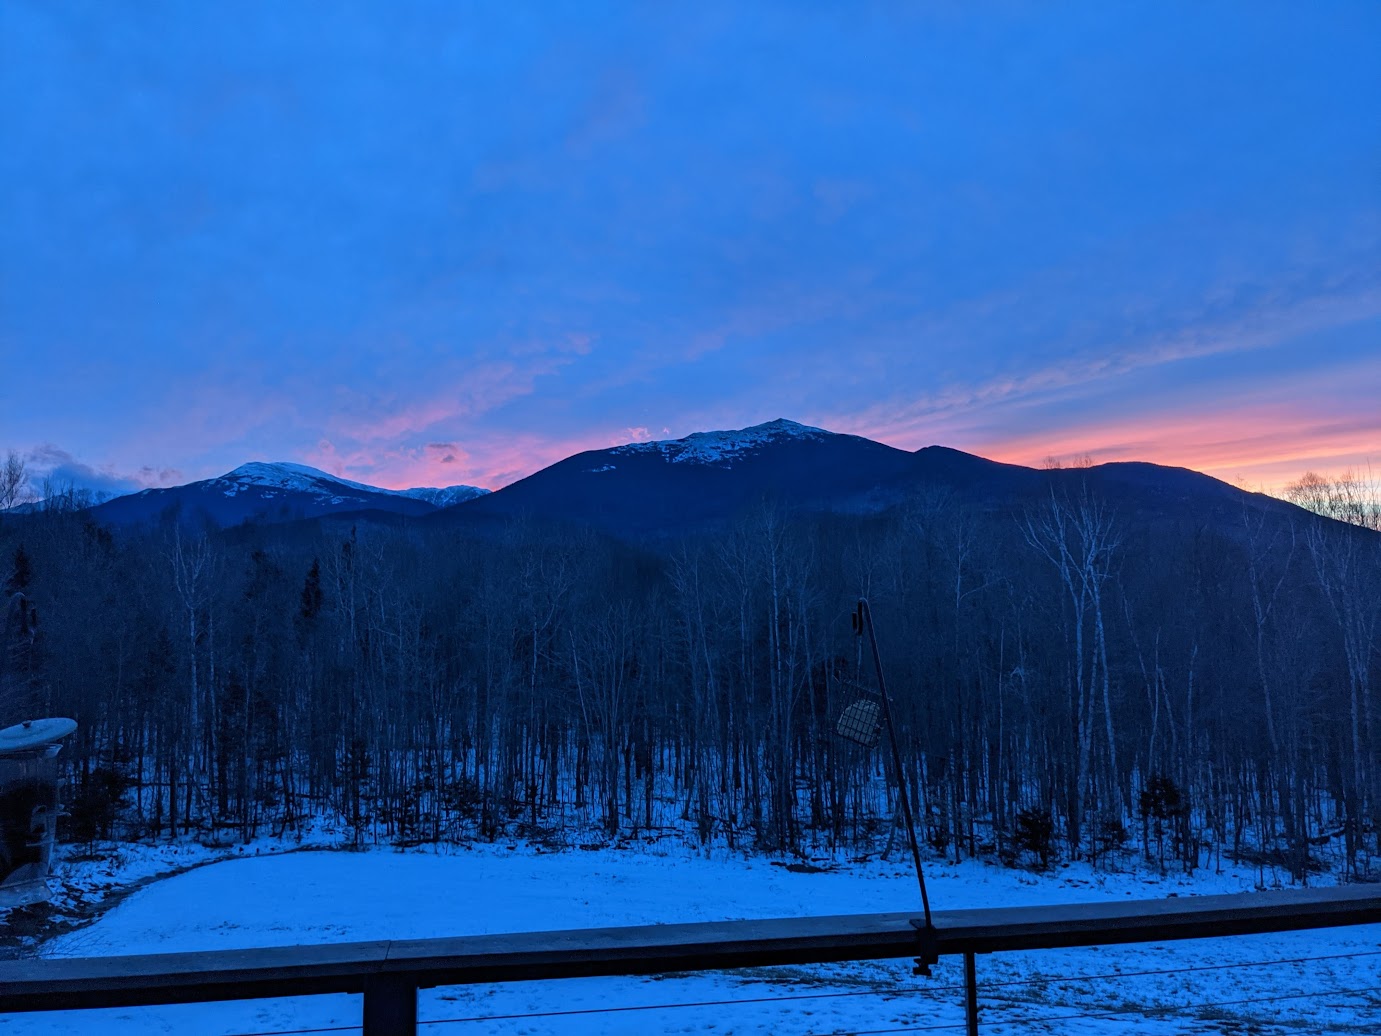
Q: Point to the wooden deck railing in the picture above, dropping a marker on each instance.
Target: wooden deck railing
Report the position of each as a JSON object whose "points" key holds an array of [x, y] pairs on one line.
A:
{"points": [[390, 973]]}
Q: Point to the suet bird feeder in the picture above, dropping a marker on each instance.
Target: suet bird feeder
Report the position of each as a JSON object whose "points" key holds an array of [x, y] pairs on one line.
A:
{"points": [[29, 788]]}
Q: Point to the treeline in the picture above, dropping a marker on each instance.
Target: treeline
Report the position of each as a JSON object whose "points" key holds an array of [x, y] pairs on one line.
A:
{"points": [[1069, 678]]}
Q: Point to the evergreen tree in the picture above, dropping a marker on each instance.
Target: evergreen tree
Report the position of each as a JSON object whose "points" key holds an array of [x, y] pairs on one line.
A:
{"points": [[21, 572]]}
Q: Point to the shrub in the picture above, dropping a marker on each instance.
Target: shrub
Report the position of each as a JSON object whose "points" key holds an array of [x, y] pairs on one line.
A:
{"points": [[96, 806], [1035, 833]]}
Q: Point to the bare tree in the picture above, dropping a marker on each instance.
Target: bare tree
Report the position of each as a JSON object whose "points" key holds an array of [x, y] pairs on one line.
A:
{"points": [[14, 481], [1348, 570], [1080, 540], [1350, 497]]}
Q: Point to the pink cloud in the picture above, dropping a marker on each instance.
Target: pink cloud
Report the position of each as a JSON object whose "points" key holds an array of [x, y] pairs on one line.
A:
{"points": [[369, 434], [1265, 440], [1268, 441], [397, 467], [1266, 446], [457, 397], [488, 460]]}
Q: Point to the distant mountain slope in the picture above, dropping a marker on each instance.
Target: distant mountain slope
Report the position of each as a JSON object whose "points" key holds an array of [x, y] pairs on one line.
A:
{"points": [[1145, 492], [973, 476], [710, 478], [704, 479], [447, 496], [286, 475], [271, 492], [699, 483]]}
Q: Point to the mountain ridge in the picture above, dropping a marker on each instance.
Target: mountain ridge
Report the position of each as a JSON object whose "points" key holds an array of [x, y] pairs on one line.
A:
{"points": [[283, 473], [274, 491], [704, 480]]}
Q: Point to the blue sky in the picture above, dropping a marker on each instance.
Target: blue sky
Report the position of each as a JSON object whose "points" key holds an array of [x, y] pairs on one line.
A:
{"points": [[437, 243]]}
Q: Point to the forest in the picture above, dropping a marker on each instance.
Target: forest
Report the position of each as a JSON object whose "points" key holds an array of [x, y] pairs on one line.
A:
{"points": [[1069, 679]]}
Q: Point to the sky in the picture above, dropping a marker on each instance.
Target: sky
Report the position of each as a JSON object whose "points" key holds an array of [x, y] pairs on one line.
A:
{"points": [[437, 243]]}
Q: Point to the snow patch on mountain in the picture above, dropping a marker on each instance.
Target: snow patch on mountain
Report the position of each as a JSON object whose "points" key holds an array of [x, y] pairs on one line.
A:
{"points": [[445, 496], [723, 447], [300, 478], [284, 475]]}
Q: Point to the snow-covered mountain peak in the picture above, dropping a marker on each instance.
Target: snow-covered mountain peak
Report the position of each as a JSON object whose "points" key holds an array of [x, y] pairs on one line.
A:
{"points": [[270, 478], [283, 475], [445, 496], [723, 447], [300, 478]]}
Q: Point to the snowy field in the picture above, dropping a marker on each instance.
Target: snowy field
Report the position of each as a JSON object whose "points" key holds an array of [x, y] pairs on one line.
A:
{"points": [[319, 896]]}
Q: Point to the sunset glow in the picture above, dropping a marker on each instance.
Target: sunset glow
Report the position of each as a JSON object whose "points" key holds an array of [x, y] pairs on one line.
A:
{"points": [[1021, 232]]}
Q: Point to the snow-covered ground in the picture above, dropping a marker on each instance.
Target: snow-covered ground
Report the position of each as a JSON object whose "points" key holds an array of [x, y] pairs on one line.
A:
{"points": [[319, 896], [83, 881]]}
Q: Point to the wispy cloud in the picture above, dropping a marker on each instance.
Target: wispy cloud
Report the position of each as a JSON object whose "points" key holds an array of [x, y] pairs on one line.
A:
{"points": [[1266, 446], [373, 438], [1264, 432], [548, 234], [965, 411], [54, 466], [396, 467]]}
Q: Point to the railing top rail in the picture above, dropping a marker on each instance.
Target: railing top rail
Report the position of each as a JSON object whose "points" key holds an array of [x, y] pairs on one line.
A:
{"points": [[147, 979]]}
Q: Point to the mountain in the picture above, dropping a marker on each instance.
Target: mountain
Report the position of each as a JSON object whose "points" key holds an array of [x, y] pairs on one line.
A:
{"points": [[69, 499], [708, 479], [447, 496], [273, 492], [702, 482], [705, 479]]}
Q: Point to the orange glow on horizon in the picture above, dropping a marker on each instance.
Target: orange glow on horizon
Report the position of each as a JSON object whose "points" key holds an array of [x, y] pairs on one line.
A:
{"points": [[488, 464], [1264, 449]]}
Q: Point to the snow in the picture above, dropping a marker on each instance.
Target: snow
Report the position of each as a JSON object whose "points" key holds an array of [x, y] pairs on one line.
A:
{"points": [[724, 446], [285, 475], [303, 479], [80, 881], [446, 496], [314, 896]]}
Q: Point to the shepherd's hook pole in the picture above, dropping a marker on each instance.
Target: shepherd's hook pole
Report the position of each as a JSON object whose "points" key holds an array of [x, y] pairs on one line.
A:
{"points": [[865, 614]]}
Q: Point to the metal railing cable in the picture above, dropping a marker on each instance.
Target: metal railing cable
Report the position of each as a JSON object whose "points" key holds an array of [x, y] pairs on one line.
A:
{"points": [[1151, 1010], [926, 990], [1143, 1011], [671, 1007], [1112, 975]]}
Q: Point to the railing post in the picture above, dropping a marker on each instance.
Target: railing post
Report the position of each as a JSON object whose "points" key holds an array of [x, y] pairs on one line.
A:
{"points": [[390, 1006], [970, 995]]}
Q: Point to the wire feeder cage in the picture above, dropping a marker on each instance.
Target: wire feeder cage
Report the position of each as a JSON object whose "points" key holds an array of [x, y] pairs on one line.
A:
{"points": [[861, 720]]}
